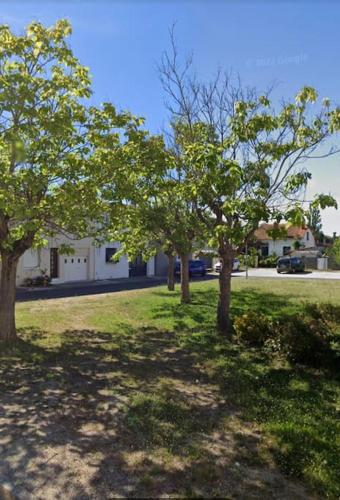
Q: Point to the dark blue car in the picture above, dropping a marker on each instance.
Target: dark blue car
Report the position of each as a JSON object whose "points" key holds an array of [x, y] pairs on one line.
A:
{"points": [[196, 267]]}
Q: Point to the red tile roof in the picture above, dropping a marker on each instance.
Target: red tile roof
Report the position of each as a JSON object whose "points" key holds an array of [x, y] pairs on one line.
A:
{"points": [[294, 232]]}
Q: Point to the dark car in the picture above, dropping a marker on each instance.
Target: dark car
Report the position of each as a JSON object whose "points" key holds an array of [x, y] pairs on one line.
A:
{"points": [[290, 265], [196, 267]]}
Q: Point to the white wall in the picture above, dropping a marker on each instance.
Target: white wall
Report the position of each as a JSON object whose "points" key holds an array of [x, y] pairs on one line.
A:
{"points": [[82, 248], [97, 267], [30, 259], [108, 270], [277, 246], [308, 240]]}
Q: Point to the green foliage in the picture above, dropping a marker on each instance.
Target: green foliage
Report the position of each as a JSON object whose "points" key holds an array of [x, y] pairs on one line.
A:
{"points": [[335, 250], [314, 220], [252, 328], [56, 153], [269, 261], [325, 311], [309, 337], [302, 340], [329, 315], [236, 189]]}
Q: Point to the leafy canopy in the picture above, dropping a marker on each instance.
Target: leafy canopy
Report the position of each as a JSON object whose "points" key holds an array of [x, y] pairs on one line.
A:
{"points": [[255, 172], [56, 152], [154, 213]]}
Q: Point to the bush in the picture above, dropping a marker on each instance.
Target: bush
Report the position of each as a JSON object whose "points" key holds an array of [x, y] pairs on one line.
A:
{"points": [[251, 259], [326, 312], [252, 328], [302, 340], [269, 261], [41, 280]]}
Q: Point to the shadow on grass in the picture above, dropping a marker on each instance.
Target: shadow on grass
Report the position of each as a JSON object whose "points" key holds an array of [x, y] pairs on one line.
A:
{"points": [[195, 323], [203, 306], [129, 413]]}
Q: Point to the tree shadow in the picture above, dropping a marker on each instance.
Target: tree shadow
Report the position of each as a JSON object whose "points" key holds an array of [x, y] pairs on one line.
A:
{"points": [[123, 414], [195, 323]]}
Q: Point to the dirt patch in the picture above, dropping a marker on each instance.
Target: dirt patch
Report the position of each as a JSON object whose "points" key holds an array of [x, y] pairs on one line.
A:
{"points": [[139, 420]]}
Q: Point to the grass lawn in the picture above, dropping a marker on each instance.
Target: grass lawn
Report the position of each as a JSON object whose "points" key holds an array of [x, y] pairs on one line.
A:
{"points": [[130, 394]]}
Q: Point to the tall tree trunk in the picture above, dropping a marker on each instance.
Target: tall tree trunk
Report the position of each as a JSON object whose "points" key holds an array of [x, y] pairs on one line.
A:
{"points": [[171, 272], [185, 292], [223, 306], [7, 298]]}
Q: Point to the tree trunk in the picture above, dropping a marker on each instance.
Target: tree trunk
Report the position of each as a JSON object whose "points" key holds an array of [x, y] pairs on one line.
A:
{"points": [[7, 298], [223, 306], [171, 273], [185, 292]]}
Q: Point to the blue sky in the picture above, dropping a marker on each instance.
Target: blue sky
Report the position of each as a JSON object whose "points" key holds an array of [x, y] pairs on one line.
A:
{"points": [[289, 43]]}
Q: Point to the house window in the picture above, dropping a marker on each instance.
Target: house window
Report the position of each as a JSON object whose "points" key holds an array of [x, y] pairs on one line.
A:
{"points": [[265, 250], [286, 250], [109, 253]]}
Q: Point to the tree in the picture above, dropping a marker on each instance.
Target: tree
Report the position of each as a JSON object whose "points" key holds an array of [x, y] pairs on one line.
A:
{"points": [[314, 222], [154, 214], [55, 152], [244, 160], [335, 250]]}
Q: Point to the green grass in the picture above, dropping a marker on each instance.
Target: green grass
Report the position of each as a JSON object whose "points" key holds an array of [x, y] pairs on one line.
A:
{"points": [[176, 384]]}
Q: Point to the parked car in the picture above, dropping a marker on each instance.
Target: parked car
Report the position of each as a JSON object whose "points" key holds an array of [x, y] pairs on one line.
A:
{"points": [[290, 265], [196, 267], [236, 266]]}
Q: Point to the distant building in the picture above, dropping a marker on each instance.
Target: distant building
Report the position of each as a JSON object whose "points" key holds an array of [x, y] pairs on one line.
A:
{"points": [[87, 262], [267, 245]]}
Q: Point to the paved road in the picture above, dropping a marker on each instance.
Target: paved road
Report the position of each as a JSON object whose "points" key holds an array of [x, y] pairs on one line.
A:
{"points": [[271, 273]]}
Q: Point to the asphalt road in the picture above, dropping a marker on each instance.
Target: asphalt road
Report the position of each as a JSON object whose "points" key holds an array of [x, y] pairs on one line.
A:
{"points": [[110, 286], [93, 287], [272, 273]]}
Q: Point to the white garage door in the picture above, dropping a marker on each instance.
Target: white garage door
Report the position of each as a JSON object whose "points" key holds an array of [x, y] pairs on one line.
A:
{"points": [[75, 268]]}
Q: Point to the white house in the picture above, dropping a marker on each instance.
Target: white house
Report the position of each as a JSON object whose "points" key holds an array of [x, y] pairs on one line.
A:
{"points": [[269, 246], [88, 262]]}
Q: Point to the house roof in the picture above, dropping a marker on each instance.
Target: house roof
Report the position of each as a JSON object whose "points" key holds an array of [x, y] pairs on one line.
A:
{"points": [[294, 232]]}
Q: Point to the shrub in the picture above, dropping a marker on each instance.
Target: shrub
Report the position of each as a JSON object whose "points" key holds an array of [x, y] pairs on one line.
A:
{"points": [[269, 261], [41, 280], [326, 312], [252, 328], [301, 340]]}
